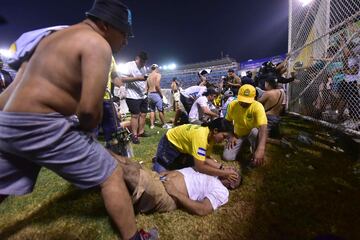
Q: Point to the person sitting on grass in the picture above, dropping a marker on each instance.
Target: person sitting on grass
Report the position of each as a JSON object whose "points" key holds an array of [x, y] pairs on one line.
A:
{"points": [[190, 145], [196, 193]]}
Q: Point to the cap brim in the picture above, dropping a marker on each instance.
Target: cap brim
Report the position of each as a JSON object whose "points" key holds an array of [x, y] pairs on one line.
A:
{"points": [[246, 99]]}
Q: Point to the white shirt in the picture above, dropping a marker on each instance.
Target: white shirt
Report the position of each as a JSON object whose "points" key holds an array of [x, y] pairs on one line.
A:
{"points": [[353, 61], [136, 89], [196, 111], [200, 186], [194, 91]]}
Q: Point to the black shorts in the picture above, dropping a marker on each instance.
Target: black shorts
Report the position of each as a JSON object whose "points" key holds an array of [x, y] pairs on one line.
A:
{"points": [[137, 106]]}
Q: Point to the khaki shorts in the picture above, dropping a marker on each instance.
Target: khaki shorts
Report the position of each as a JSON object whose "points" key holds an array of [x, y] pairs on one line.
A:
{"points": [[150, 194]]}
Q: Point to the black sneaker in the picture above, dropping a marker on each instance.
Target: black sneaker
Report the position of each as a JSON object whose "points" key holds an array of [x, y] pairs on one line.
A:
{"points": [[144, 134], [153, 234], [135, 140]]}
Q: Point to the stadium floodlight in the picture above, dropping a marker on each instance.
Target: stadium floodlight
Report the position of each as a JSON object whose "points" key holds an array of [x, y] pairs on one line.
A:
{"points": [[165, 67], [305, 2], [172, 66], [6, 53]]}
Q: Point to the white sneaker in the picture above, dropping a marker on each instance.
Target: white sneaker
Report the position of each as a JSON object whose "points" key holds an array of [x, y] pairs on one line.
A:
{"points": [[152, 127], [166, 126]]}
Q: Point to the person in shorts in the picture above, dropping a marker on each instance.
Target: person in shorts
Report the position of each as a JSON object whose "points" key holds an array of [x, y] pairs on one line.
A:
{"points": [[55, 102]]}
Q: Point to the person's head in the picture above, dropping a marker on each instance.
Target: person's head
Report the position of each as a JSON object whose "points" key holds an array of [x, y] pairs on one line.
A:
{"points": [[271, 83], [231, 184], [174, 79], [247, 80], [211, 94], [249, 74], [231, 72], [220, 129], [154, 67], [114, 19], [141, 59], [1, 64], [246, 95]]}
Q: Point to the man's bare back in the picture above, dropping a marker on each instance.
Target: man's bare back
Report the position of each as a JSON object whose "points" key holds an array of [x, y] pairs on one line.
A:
{"points": [[153, 82], [61, 80], [272, 101]]}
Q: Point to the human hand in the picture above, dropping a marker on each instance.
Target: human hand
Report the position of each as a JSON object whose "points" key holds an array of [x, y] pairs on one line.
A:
{"points": [[231, 142], [231, 173], [258, 158], [170, 187]]}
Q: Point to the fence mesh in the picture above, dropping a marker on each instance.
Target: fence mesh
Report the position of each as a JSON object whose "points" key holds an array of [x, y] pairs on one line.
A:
{"points": [[324, 55]]}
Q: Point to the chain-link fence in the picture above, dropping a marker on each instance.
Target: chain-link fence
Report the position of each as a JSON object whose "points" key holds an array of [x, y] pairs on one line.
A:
{"points": [[324, 54]]}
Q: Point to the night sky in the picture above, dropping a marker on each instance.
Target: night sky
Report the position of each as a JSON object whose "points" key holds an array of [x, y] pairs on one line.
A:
{"points": [[181, 32]]}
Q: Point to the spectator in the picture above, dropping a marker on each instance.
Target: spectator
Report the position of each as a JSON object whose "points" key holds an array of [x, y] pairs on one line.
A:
{"points": [[233, 81], [155, 96], [250, 123], [272, 100], [175, 90], [200, 111], [201, 194], [41, 123], [133, 76]]}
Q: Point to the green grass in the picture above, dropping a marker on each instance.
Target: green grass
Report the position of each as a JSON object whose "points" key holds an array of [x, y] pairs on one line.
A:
{"points": [[298, 194]]}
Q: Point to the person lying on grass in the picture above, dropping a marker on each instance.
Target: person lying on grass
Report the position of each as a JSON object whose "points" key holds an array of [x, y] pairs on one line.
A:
{"points": [[191, 145], [185, 188]]}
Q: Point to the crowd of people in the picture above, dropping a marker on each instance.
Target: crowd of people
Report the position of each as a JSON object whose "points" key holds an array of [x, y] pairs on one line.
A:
{"points": [[55, 125]]}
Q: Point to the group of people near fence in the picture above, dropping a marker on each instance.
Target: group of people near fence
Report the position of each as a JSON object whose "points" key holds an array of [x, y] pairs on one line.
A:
{"points": [[61, 94]]}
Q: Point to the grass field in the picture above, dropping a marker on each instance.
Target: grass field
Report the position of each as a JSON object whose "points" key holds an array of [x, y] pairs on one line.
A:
{"points": [[299, 194]]}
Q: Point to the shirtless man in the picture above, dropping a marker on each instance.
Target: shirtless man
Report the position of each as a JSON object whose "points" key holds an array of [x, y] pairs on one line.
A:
{"points": [[66, 76], [273, 99], [195, 192], [155, 96]]}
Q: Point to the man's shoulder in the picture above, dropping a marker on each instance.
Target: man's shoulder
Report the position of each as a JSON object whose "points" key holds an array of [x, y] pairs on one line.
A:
{"points": [[257, 106]]}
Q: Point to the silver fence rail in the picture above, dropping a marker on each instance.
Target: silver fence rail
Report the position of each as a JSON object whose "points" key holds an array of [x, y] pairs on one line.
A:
{"points": [[324, 55]]}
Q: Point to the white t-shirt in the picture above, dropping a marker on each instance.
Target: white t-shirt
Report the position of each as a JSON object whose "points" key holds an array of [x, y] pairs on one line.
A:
{"points": [[196, 111], [200, 186], [352, 62], [136, 89], [194, 91]]}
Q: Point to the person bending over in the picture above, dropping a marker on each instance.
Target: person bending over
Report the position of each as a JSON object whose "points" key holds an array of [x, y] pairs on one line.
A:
{"points": [[190, 146], [200, 111], [67, 75]]}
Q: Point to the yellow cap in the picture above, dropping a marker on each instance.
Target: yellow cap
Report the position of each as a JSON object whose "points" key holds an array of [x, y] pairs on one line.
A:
{"points": [[247, 93]]}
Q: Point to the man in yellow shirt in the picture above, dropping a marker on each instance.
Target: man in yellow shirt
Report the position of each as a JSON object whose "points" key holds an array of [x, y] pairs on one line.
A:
{"points": [[250, 122]]}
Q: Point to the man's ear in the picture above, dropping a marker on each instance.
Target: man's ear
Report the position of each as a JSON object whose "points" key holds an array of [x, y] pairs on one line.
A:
{"points": [[103, 26]]}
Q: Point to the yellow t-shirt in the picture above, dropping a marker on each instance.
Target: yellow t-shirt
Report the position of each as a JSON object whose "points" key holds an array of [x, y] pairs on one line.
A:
{"points": [[191, 139], [246, 119], [107, 95]]}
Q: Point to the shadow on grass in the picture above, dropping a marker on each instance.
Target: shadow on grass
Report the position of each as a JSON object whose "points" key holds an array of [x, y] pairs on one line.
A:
{"points": [[302, 195], [73, 202]]}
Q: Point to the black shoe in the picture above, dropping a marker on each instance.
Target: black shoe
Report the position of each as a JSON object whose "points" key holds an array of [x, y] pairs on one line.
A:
{"points": [[135, 140], [144, 134]]}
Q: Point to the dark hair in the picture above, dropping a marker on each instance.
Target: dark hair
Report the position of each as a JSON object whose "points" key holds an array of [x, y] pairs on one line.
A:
{"points": [[272, 81], [174, 79], [231, 70], [143, 56], [210, 91], [221, 124]]}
